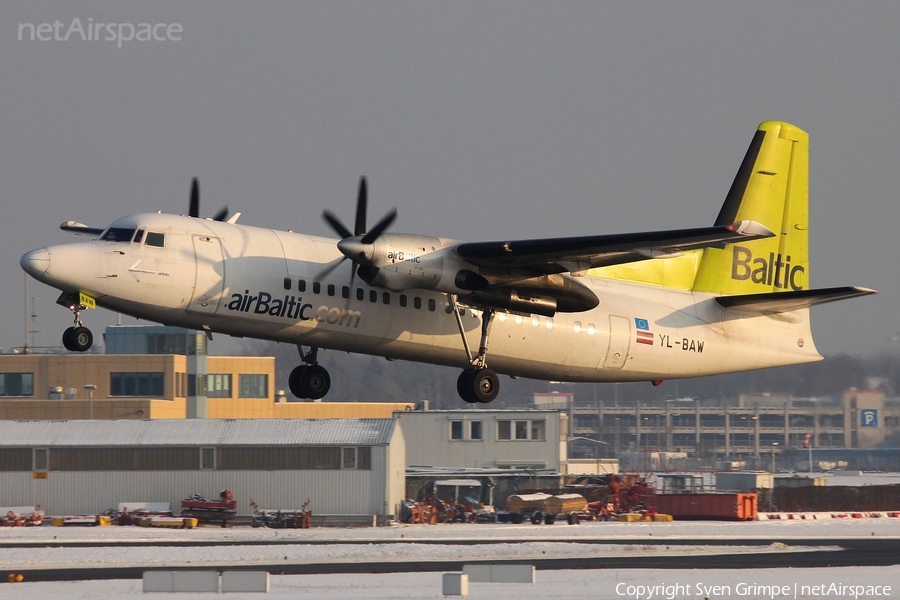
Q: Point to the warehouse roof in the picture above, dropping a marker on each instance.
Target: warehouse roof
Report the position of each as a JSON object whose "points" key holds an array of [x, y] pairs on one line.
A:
{"points": [[197, 432]]}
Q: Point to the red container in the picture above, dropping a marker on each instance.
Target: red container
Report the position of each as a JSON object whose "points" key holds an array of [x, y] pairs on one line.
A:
{"points": [[718, 507]]}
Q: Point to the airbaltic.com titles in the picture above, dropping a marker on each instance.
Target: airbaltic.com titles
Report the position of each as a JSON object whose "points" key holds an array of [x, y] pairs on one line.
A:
{"points": [[751, 590]]}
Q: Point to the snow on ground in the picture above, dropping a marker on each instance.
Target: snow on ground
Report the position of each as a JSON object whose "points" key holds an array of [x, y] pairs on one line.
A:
{"points": [[499, 541]]}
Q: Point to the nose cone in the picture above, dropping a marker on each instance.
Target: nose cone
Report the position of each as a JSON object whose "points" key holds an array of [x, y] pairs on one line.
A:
{"points": [[36, 262], [354, 249]]}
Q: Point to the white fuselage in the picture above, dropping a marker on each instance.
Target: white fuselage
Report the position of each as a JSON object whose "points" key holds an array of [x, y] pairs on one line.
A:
{"points": [[246, 281]]}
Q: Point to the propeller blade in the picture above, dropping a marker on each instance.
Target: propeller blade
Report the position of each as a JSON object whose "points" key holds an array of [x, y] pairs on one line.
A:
{"points": [[194, 208], [379, 228], [329, 268], [361, 208], [222, 214], [336, 224]]}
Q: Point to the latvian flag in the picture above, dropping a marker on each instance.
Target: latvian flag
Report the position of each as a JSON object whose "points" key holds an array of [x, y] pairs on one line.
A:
{"points": [[644, 336]]}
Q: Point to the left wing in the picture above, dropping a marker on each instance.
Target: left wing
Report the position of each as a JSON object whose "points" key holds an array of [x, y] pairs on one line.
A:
{"points": [[577, 254]]}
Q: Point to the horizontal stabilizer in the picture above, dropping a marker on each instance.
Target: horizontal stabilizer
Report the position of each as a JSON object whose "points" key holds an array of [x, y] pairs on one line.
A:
{"points": [[780, 302], [80, 228]]}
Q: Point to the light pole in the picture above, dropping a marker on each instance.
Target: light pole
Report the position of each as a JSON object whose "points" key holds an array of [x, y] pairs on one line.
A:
{"points": [[772, 491], [90, 387]]}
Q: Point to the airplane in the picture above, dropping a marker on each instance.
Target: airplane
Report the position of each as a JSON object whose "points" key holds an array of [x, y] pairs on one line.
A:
{"points": [[646, 306]]}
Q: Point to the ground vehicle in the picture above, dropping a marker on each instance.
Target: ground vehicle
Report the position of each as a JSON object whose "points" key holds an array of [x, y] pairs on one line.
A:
{"points": [[545, 508]]}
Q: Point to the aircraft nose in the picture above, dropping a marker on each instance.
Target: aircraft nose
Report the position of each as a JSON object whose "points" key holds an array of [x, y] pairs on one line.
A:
{"points": [[36, 262]]}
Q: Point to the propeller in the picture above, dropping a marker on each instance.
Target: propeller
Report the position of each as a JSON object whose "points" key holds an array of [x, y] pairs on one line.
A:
{"points": [[194, 208], [357, 246]]}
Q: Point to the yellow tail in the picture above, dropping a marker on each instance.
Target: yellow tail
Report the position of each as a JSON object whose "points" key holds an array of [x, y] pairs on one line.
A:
{"points": [[771, 187]]}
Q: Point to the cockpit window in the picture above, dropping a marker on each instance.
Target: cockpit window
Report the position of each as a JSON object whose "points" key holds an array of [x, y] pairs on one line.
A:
{"points": [[118, 234], [156, 239], [138, 236]]}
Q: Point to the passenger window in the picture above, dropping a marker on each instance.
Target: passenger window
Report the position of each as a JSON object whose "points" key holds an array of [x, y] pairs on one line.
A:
{"points": [[403, 300], [156, 239], [432, 305], [317, 287], [417, 303], [331, 289], [386, 298], [287, 283], [360, 294], [301, 285], [345, 292], [138, 236], [373, 296]]}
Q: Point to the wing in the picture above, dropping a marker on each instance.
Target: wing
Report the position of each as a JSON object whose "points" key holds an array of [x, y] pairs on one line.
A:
{"points": [[577, 254], [80, 228]]}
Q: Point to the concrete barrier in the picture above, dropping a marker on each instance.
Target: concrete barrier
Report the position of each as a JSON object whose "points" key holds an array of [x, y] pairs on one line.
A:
{"points": [[181, 581], [245, 581], [500, 573], [455, 584]]}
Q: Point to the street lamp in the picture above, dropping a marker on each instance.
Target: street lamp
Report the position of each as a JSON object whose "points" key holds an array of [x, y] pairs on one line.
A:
{"points": [[90, 387]]}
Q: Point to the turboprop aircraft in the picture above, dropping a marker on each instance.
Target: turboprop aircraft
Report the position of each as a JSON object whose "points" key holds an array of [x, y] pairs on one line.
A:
{"points": [[624, 307]]}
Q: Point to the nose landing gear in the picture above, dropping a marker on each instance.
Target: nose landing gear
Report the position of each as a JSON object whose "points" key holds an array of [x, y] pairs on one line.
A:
{"points": [[311, 380], [78, 338]]}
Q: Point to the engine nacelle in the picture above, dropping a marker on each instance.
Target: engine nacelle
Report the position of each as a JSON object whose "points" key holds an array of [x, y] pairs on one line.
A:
{"points": [[514, 301]]}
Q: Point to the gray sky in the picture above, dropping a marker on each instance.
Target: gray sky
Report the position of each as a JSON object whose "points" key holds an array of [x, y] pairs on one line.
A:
{"points": [[478, 121]]}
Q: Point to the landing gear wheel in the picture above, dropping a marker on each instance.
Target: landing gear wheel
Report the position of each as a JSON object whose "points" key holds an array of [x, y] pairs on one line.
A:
{"points": [[67, 339], [294, 382], [309, 382], [464, 386], [477, 384], [315, 381], [80, 339]]}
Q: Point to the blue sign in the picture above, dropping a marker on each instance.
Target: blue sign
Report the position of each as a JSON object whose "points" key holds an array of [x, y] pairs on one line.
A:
{"points": [[868, 417]]}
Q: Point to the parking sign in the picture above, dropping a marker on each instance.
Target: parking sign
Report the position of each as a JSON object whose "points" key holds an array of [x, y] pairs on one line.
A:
{"points": [[868, 417]]}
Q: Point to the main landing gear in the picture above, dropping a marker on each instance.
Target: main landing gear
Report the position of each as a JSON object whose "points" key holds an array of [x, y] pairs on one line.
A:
{"points": [[477, 384], [309, 381], [78, 338]]}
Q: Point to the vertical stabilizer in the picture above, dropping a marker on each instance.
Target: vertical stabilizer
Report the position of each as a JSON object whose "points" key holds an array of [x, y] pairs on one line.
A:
{"points": [[771, 187]]}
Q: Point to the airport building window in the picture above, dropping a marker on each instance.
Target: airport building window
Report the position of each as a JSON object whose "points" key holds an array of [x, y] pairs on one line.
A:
{"points": [[254, 386], [218, 385], [16, 384], [456, 430], [166, 343], [207, 458], [137, 384], [16, 459], [475, 430], [521, 430], [41, 459], [156, 239]]}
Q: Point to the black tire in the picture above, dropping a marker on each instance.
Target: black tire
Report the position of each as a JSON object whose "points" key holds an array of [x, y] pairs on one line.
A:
{"points": [[464, 386], [537, 518], [81, 339], [515, 518], [485, 385], [315, 382], [604, 518], [295, 382], [67, 339], [549, 519], [573, 519]]}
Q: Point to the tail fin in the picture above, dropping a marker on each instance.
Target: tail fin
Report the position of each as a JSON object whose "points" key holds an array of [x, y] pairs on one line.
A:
{"points": [[771, 187]]}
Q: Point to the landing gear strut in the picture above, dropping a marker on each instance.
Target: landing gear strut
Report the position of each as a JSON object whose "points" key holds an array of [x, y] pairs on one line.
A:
{"points": [[477, 383], [311, 380], [78, 338]]}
